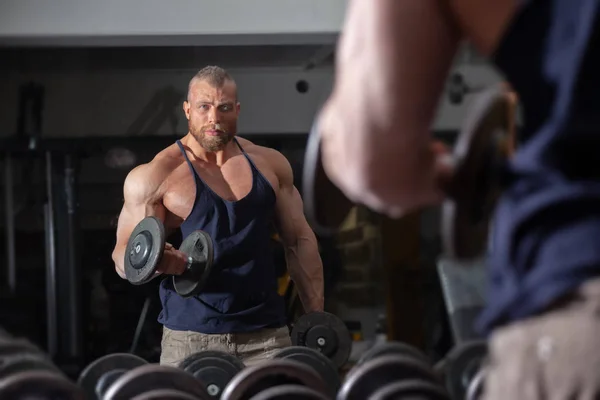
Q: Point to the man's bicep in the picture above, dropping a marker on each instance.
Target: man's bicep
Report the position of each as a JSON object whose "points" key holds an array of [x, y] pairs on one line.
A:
{"points": [[290, 215]]}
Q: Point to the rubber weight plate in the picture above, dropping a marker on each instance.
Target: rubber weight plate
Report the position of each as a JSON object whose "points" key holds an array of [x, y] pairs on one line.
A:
{"points": [[290, 392], [324, 332], [477, 385], [411, 389], [26, 362], [101, 373], [463, 362], [326, 207], [213, 368], [199, 246], [322, 365], [365, 379], [164, 394], [39, 385], [151, 377], [393, 347], [255, 379], [480, 154], [144, 250]]}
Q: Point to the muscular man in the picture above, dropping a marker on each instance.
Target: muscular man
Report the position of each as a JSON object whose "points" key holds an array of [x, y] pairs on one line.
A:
{"points": [[235, 191], [544, 289]]}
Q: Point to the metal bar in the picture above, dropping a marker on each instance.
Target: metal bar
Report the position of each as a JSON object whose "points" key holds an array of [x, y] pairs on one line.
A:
{"points": [[71, 266], [51, 312], [9, 208]]}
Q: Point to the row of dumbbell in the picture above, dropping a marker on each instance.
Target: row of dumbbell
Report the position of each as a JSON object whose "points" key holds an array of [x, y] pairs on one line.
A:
{"points": [[389, 370]]}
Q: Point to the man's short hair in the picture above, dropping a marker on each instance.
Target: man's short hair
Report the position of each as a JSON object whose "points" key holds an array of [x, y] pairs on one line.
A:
{"points": [[214, 75]]}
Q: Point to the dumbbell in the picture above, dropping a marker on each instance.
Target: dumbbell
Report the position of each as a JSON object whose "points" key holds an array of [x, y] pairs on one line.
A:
{"points": [[480, 172], [145, 249], [277, 379], [392, 370], [213, 368], [123, 376], [463, 369], [324, 332], [27, 372], [316, 360]]}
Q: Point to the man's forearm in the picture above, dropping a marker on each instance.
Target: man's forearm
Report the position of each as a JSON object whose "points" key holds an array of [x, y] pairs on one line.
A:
{"points": [[306, 270]]}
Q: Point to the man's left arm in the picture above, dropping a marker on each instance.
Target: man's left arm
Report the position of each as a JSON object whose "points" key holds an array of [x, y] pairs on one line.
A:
{"points": [[301, 248]]}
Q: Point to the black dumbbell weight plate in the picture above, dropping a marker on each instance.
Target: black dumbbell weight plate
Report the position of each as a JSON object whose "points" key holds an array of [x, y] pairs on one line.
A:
{"points": [[388, 348], [325, 333], [25, 362], [363, 380], [164, 394], [463, 363], [213, 368], [151, 377], [322, 365], [99, 374], [411, 389], [199, 246], [254, 379], [480, 156], [144, 250], [326, 207], [290, 392], [39, 385], [477, 385]]}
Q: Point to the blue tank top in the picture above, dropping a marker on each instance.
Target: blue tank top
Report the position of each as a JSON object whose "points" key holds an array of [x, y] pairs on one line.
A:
{"points": [[546, 232], [241, 294]]}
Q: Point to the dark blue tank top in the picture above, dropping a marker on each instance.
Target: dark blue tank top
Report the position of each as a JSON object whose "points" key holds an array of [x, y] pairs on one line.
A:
{"points": [[241, 294], [546, 232]]}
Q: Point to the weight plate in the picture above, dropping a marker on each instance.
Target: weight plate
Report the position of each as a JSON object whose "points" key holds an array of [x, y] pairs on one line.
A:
{"points": [[388, 348], [462, 364], [322, 365], [165, 394], [199, 246], [254, 379], [326, 207], [481, 154], [213, 368], [39, 385], [152, 377], [25, 362], [98, 375], [144, 250], [326, 333], [290, 392], [476, 386], [365, 379], [410, 389]]}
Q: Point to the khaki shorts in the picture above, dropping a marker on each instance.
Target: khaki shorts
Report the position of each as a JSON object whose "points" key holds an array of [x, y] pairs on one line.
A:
{"points": [[553, 356], [251, 348]]}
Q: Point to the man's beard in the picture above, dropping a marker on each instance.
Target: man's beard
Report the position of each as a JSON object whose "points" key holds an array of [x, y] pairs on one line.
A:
{"points": [[211, 143]]}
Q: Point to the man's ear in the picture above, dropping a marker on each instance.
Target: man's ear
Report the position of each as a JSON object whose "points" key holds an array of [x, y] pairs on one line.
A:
{"points": [[186, 109]]}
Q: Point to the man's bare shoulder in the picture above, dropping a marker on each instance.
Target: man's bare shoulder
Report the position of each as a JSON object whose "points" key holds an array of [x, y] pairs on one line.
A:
{"points": [[278, 163], [149, 177]]}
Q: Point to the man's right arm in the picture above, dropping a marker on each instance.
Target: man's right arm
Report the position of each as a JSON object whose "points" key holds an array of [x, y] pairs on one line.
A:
{"points": [[143, 198]]}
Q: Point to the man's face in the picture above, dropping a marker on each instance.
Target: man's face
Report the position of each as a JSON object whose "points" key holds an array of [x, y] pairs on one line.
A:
{"points": [[212, 114]]}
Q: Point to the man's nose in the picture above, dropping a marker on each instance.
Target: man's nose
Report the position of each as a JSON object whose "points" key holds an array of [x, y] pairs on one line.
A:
{"points": [[213, 115]]}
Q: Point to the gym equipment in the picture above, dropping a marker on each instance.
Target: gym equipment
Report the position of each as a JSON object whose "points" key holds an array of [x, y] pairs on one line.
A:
{"points": [[317, 361], [254, 380], [463, 363], [96, 378], [324, 332], [164, 394], [150, 377], [393, 347], [27, 372], [39, 384], [479, 161], [213, 368], [476, 386], [290, 392], [145, 249], [412, 389], [365, 379]]}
